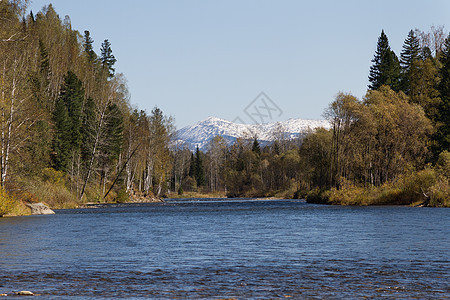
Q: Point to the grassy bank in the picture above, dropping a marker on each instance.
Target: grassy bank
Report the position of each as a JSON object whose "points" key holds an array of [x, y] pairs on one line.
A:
{"points": [[428, 187], [52, 188]]}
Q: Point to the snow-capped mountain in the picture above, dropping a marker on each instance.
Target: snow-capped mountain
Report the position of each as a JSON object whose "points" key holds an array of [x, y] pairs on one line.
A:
{"points": [[201, 133]]}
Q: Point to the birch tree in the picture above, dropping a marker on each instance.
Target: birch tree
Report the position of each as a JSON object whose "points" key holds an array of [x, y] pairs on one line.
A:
{"points": [[17, 112]]}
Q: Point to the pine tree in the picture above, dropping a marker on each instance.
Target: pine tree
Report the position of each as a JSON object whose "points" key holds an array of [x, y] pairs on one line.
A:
{"points": [[192, 166], [443, 130], [40, 78], [386, 66], [72, 94], [255, 147], [107, 58], [114, 132], [199, 169], [61, 143], [410, 53], [111, 145], [88, 48]]}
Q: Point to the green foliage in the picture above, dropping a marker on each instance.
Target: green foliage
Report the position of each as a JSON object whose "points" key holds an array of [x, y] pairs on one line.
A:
{"points": [[443, 117], [386, 66], [61, 141], [88, 48], [410, 54], [107, 58], [67, 118], [423, 80], [52, 125], [72, 93], [255, 147], [114, 131], [122, 195], [199, 170], [111, 147], [70, 135]]}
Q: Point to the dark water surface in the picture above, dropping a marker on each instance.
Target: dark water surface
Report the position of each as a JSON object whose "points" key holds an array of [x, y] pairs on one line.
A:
{"points": [[229, 249]]}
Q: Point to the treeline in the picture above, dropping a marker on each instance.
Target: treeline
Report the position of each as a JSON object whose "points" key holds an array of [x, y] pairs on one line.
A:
{"points": [[69, 135], [391, 147], [68, 131]]}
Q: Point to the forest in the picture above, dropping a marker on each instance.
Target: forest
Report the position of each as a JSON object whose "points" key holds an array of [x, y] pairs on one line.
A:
{"points": [[70, 135]]}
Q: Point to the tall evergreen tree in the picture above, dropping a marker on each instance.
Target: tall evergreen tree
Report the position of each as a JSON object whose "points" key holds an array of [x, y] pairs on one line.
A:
{"points": [[386, 66], [88, 48], [72, 94], [443, 130], [61, 143], [199, 168], [410, 53], [111, 145], [114, 133], [255, 147], [40, 78], [107, 58]]}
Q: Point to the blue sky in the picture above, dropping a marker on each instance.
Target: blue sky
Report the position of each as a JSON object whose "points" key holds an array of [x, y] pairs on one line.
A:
{"points": [[199, 58]]}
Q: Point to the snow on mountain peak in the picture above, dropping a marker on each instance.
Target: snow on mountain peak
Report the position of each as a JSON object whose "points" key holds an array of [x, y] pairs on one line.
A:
{"points": [[201, 133]]}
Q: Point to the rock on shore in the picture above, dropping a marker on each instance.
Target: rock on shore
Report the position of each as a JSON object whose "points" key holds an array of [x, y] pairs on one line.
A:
{"points": [[40, 209]]}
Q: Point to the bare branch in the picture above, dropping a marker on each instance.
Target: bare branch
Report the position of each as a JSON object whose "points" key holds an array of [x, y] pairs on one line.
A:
{"points": [[11, 39]]}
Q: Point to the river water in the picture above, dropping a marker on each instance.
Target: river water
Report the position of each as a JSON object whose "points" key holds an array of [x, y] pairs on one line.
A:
{"points": [[229, 249]]}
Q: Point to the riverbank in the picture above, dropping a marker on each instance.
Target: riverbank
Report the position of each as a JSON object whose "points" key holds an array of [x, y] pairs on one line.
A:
{"points": [[423, 188], [195, 195]]}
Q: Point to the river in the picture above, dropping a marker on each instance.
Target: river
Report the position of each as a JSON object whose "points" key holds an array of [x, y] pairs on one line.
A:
{"points": [[242, 249]]}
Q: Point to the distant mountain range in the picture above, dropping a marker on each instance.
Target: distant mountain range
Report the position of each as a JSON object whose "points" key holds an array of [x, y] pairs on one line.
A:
{"points": [[201, 133]]}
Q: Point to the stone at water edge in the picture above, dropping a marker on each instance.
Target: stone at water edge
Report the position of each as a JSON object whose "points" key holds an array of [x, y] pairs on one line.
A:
{"points": [[40, 209], [25, 293]]}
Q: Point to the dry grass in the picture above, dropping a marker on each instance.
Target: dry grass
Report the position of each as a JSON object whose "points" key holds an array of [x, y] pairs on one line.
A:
{"points": [[196, 195], [425, 186], [10, 206], [55, 196], [51, 190]]}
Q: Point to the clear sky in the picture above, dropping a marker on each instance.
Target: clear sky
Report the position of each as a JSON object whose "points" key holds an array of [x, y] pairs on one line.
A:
{"points": [[200, 58]]}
